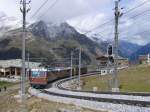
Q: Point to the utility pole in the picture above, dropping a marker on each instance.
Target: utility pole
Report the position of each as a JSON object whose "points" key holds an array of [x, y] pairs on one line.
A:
{"points": [[109, 55], [115, 87], [148, 60], [71, 64], [28, 66], [79, 74], [24, 11]]}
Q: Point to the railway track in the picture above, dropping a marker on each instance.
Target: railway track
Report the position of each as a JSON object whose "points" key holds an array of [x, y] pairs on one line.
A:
{"points": [[59, 83], [97, 99]]}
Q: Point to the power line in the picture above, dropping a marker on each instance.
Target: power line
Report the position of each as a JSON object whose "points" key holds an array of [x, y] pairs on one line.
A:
{"points": [[134, 22], [51, 6], [44, 3], [140, 5], [101, 25], [145, 31], [139, 14], [142, 32], [41, 8], [142, 13], [130, 10], [111, 30], [135, 16]]}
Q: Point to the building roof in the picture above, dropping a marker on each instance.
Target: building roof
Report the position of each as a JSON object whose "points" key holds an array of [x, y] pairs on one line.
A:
{"points": [[18, 63], [143, 57], [104, 57]]}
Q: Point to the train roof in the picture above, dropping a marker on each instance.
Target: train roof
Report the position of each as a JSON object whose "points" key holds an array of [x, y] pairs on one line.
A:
{"points": [[51, 69]]}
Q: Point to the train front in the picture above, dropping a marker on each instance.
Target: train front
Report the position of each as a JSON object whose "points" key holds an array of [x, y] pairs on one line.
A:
{"points": [[38, 78]]}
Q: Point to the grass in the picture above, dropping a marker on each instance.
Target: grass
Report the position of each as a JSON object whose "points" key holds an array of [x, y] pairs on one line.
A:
{"points": [[133, 79], [7, 84], [9, 104]]}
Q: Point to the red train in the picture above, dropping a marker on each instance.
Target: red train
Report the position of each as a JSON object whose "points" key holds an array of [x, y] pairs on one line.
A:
{"points": [[41, 77]]}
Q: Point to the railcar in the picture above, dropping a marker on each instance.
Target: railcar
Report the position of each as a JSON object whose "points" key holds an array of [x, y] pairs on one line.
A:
{"points": [[41, 77]]}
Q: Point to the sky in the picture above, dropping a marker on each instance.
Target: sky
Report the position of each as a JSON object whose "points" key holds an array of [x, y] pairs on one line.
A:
{"points": [[85, 15]]}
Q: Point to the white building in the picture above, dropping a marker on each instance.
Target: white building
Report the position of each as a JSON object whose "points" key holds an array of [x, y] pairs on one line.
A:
{"points": [[106, 67], [148, 59], [144, 59], [12, 68]]}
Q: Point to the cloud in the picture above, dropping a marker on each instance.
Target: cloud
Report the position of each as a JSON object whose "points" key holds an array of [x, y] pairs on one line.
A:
{"points": [[138, 39], [91, 21], [67, 9], [130, 29], [9, 22], [85, 15]]}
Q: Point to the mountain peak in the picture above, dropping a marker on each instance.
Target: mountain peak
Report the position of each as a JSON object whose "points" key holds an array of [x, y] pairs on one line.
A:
{"points": [[39, 29], [51, 31]]}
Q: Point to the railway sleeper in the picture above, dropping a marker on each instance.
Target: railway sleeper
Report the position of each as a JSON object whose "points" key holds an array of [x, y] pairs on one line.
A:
{"points": [[115, 101]]}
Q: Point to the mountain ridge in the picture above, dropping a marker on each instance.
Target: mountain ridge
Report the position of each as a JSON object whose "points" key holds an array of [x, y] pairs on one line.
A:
{"points": [[142, 51], [39, 41], [42, 36]]}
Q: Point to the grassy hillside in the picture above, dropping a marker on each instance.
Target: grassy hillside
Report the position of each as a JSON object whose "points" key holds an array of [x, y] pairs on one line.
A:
{"points": [[133, 79]]}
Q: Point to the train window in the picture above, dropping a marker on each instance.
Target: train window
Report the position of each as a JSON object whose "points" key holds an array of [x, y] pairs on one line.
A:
{"points": [[38, 74]]}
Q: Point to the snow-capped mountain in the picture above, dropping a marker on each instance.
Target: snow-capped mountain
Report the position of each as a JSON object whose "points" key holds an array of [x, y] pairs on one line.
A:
{"points": [[64, 32], [51, 31], [99, 24], [45, 36]]}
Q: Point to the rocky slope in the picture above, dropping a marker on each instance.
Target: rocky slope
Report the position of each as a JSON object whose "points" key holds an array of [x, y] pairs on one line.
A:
{"points": [[43, 37]]}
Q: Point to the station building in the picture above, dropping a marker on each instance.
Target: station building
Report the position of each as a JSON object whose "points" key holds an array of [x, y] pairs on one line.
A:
{"points": [[105, 64], [12, 68], [144, 59]]}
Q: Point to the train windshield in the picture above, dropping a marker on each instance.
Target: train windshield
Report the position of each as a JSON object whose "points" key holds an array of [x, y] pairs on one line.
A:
{"points": [[38, 74]]}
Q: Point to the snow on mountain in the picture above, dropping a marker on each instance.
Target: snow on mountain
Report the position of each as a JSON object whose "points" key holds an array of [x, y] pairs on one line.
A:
{"points": [[86, 23], [51, 31], [95, 25]]}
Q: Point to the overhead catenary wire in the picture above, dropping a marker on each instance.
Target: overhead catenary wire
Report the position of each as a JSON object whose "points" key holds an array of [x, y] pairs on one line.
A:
{"points": [[111, 30], [51, 6], [109, 21], [142, 32], [101, 25], [140, 5], [44, 3], [139, 33], [137, 15], [130, 10], [141, 13], [134, 17], [38, 10]]}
